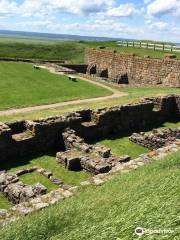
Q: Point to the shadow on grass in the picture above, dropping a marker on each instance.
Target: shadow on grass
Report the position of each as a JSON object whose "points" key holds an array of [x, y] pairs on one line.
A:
{"points": [[13, 163], [128, 133]]}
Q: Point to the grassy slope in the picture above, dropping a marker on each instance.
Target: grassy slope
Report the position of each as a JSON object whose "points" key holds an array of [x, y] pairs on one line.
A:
{"points": [[134, 94], [72, 51], [21, 85], [147, 197]]}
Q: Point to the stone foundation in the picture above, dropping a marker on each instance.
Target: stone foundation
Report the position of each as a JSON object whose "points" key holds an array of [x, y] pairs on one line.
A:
{"points": [[26, 138]]}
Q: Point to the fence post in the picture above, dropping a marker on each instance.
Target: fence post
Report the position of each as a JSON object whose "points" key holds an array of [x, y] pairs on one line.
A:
{"points": [[140, 44], [163, 47], [127, 44], [147, 45], [154, 47]]}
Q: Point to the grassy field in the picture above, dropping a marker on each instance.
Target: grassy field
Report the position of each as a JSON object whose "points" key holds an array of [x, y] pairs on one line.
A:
{"points": [[147, 197], [21, 85], [134, 94], [71, 51]]}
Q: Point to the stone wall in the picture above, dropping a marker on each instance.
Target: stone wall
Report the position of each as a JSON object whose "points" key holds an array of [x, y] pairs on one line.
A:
{"points": [[24, 138], [123, 68]]}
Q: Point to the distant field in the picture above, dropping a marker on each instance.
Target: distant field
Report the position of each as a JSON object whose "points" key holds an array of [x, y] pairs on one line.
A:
{"points": [[71, 51], [22, 86]]}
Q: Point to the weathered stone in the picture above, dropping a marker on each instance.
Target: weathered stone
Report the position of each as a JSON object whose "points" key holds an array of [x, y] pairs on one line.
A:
{"points": [[55, 180], [39, 189], [21, 172], [98, 181], [47, 174], [41, 205], [85, 183], [23, 210], [3, 213], [67, 194]]}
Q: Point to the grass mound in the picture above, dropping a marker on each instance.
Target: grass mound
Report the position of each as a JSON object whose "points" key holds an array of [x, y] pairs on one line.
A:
{"points": [[147, 197]]}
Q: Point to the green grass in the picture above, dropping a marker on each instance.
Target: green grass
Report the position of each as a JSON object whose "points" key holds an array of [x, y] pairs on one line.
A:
{"points": [[4, 203], [147, 197], [71, 51], [33, 178], [142, 52], [21, 86], [171, 125], [122, 146], [49, 163], [134, 94]]}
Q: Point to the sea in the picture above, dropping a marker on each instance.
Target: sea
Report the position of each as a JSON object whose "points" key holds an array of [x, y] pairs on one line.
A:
{"points": [[53, 36]]}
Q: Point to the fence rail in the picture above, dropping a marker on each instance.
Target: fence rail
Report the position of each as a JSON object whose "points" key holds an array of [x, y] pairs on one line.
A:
{"points": [[154, 46]]}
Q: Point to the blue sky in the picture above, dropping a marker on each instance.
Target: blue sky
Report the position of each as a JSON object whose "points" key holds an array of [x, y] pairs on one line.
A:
{"points": [[140, 19]]}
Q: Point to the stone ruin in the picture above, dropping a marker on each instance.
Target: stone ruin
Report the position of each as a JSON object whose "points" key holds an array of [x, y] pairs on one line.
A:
{"points": [[131, 69], [72, 135], [16, 191], [156, 139], [26, 138], [92, 158]]}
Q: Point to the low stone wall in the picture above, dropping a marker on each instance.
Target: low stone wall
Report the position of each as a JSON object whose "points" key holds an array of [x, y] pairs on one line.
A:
{"points": [[24, 138], [131, 69], [157, 139]]}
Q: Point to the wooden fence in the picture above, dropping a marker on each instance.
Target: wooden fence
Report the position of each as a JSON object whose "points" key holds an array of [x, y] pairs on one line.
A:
{"points": [[155, 46]]}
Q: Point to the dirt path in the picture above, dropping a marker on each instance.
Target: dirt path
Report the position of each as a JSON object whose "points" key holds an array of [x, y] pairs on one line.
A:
{"points": [[115, 94]]}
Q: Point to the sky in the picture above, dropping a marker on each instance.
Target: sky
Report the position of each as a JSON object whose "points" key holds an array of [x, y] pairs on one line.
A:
{"points": [[137, 19]]}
